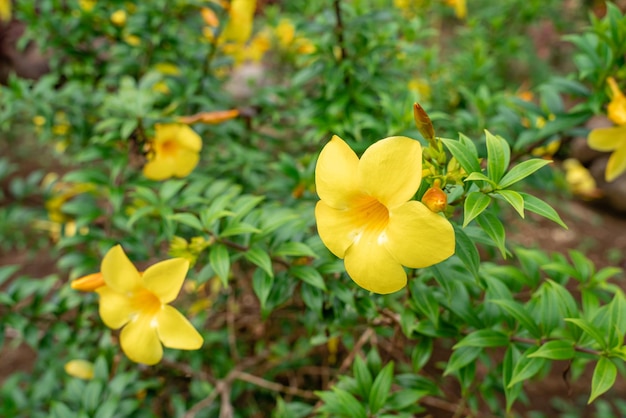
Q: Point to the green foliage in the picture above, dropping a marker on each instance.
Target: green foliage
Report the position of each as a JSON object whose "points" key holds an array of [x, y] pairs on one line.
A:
{"points": [[286, 332]]}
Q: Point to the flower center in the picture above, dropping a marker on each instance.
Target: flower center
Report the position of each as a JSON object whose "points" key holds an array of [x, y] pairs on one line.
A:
{"points": [[373, 216], [168, 148], [145, 302]]}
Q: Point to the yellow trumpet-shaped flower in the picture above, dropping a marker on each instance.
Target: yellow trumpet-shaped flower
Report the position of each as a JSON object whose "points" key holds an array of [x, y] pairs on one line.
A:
{"points": [[614, 138], [174, 152], [139, 304], [365, 216]]}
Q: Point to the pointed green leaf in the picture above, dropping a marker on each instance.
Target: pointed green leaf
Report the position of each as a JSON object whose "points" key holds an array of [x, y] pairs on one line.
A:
{"points": [[521, 171], [484, 338], [460, 358], [294, 249], [363, 376], [494, 228], [518, 311], [466, 251], [603, 378], [526, 367], [257, 256], [262, 285], [498, 156], [380, 388], [589, 329], [515, 199], [220, 262], [476, 175], [555, 350], [475, 204], [463, 155], [188, 219], [538, 206], [309, 275]]}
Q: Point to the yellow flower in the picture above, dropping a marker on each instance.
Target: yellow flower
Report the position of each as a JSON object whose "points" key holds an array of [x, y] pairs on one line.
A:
{"points": [[617, 107], [87, 5], [5, 10], [132, 40], [614, 138], [365, 216], [239, 26], [82, 369], [285, 33], [175, 152], [139, 304], [119, 18], [580, 180]]}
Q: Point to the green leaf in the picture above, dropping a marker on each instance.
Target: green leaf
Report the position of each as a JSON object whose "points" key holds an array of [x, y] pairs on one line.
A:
{"points": [[340, 403], [239, 228], [475, 204], [257, 256], [515, 199], [466, 251], [463, 155], [262, 284], [426, 302], [295, 249], [91, 395], [526, 367], [589, 329], [363, 376], [460, 358], [308, 275], [494, 228], [480, 176], [511, 393], [188, 219], [517, 311], [555, 350], [603, 378], [7, 271], [170, 188], [380, 388], [521, 171], [220, 262], [538, 206], [422, 353], [498, 156], [484, 338]]}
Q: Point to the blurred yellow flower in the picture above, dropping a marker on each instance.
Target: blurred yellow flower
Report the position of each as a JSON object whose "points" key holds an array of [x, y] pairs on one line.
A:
{"points": [[87, 5], [139, 304], [239, 26], [579, 180], [614, 138], [132, 40], [174, 151], [209, 17], [365, 216], [119, 17], [285, 33], [5, 10], [61, 193], [82, 369]]}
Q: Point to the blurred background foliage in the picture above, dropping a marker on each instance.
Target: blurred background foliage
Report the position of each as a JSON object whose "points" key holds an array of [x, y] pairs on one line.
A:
{"points": [[287, 333]]}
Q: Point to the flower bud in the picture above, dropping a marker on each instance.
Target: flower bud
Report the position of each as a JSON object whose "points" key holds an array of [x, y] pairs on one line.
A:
{"points": [[435, 199], [82, 369], [423, 122], [88, 283]]}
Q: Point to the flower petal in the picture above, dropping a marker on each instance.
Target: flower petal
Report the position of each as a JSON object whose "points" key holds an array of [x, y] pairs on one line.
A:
{"points": [[617, 163], [175, 331], [417, 237], [607, 139], [337, 227], [185, 163], [189, 139], [159, 168], [335, 173], [118, 272], [165, 278], [115, 308], [371, 266], [391, 170], [140, 342]]}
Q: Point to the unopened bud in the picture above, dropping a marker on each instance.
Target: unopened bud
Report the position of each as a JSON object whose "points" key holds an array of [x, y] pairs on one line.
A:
{"points": [[423, 122], [88, 283], [435, 199]]}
